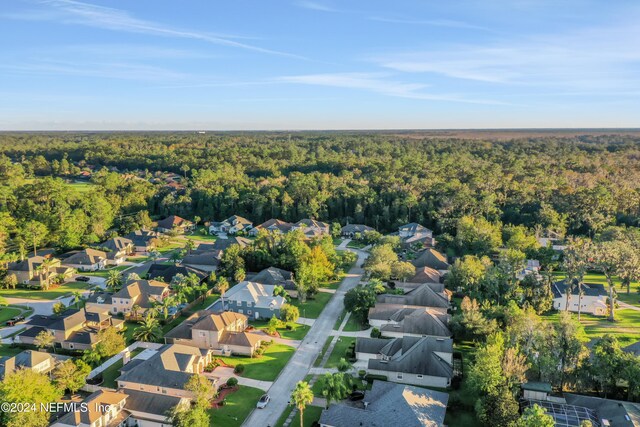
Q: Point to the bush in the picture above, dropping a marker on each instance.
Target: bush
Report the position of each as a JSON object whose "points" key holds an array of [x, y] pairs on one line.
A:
{"points": [[211, 366], [259, 351], [232, 382], [238, 369], [375, 333], [371, 377], [362, 373]]}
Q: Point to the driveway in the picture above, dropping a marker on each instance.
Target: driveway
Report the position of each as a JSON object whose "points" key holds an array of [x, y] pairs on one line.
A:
{"points": [[302, 360]]}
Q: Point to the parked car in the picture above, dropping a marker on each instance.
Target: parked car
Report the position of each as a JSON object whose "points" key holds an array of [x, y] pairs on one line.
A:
{"points": [[82, 279], [356, 395], [262, 403], [15, 320]]}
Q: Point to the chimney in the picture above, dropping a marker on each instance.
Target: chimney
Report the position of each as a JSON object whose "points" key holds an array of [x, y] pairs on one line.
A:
{"points": [[126, 357]]}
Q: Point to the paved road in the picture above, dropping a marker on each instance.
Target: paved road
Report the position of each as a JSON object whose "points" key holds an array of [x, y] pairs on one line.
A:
{"points": [[302, 360]]}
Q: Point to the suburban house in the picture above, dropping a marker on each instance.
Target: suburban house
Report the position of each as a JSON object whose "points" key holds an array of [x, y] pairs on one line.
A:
{"points": [[422, 361], [221, 244], [433, 259], [117, 249], [150, 409], [274, 225], [72, 330], [389, 404], [174, 223], [426, 274], [203, 260], [34, 271], [396, 321], [104, 408], [232, 225], [222, 333], [141, 293], [311, 227], [423, 295], [87, 260], [166, 372], [253, 299], [277, 276], [414, 235], [633, 348], [38, 361], [167, 273], [350, 231], [144, 241], [593, 301]]}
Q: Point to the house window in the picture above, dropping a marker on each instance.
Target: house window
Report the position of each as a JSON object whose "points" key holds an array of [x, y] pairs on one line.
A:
{"points": [[164, 391], [399, 375], [419, 376]]}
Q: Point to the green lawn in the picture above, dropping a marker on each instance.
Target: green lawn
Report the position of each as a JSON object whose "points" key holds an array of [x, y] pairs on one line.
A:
{"points": [[205, 303], [297, 331], [130, 328], [175, 322], [237, 407], [352, 325], [110, 374], [265, 367], [50, 294], [7, 350], [594, 277], [7, 313], [311, 414], [625, 328], [332, 285], [339, 351], [312, 308], [324, 350], [339, 320], [197, 236], [356, 244], [337, 241], [104, 273]]}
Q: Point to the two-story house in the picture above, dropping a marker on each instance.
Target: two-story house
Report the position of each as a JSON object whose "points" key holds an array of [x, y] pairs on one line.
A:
{"points": [[174, 223], [144, 241], [117, 248], [140, 293], [38, 361], [223, 333], [38, 271], [87, 260], [254, 299], [232, 225], [273, 225], [103, 408]]}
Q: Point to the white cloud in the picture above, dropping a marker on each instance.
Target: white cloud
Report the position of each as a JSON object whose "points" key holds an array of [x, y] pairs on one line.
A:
{"points": [[430, 22], [312, 5]]}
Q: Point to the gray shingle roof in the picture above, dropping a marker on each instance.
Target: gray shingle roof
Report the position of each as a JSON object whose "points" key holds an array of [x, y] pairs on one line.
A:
{"points": [[589, 289], [422, 295], [150, 403], [390, 404], [432, 259]]}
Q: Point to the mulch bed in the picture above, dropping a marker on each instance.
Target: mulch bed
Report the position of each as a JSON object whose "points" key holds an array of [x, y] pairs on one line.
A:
{"points": [[216, 404]]}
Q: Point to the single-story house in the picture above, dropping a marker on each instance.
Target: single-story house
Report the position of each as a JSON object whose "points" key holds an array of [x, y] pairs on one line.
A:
{"points": [[277, 276], [423, 295], [388, 404], [144, 241], [433, 259], [253, 299], [350, 231], [204, 261], [87, 260], [221, 244], [396, 321], [593, 301], [426, 274], [166, 273], [274, 225], [311, 227], [223, 333], [232, 225], [174, 223], [413, 229], [421, 361]]}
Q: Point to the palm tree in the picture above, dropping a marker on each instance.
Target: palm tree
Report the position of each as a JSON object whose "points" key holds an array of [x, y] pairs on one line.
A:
{"points": [[149, 330], [190, 246], [154, 255], [77, 296], [301, 397], [44, 268], [164, 305], [222, 284], [175, 257], [114, 280], [239, 275], [135, 310]]}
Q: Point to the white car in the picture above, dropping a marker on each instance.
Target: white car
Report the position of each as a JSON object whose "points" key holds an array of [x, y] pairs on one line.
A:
{"points": [[262, 403]]}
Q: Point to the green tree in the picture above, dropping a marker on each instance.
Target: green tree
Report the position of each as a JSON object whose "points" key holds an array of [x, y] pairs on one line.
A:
{"points": [[114, 280], [301, 397], [31, 387], [535, 416], [187, 416], [606, 257], [110, 342], [466, 273], [149, 330], [289, 313], [380, 260], [498, 408], [568, 349], [402, 270], [202, 389], [34, 232], [335, 387], [71, 375], [44, 339], [222, 285], [477, 236], [607, 363], [358, 301]]}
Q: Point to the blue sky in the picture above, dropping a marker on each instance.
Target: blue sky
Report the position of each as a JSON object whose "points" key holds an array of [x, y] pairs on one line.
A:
{"points": [[316, 64]]}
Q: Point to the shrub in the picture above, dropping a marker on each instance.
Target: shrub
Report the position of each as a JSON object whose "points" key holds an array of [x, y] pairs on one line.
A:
{"points": [[238, 369], [375, 333], [259, 351], [232, 382], [362, 373]]}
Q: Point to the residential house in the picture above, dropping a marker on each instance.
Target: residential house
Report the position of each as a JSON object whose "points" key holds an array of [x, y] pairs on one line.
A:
{"points": [[396, 321], [117, 248], [167, 273], [311, 228], [350, 231], [38, 361], [174, 223], [150, 409], [424, 296], [426, 274], [166, 372], [103, 408], [75, 329], [223, 333], [253, 299], [433, 259], [388, 404], [421, 361], [144, 241], [273, 225], [232, 225], [87, 260], [34, 271], [203, 260], [413, 229], [415, 235], [141, 293], [277, 276], [221, 244], [593, 300]]}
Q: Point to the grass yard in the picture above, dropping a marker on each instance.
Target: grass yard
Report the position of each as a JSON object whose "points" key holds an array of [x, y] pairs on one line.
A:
{"points": [[81, 186], [325, 347], [205, 303], [312, 308], [266, 367], [170, 247], [353, 325], [197, 236], [7, 350], [237, 407], [332, 285], [625, 328], [356, 244], [172, 324], [297, 331], [37, 294], [339, 320], [594, 277], [337, 241], [311, 414], [110, 374], [339, 351], [7, 313], [104, 273]]}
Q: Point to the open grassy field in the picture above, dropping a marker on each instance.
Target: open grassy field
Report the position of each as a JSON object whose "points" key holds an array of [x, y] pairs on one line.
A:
{"points": [[625, 328], [633, 297], [237, 407], [312, 307], [104, 273], [198, 236], [265, 367], [297, 331], [339, 351], [53, 293]]}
